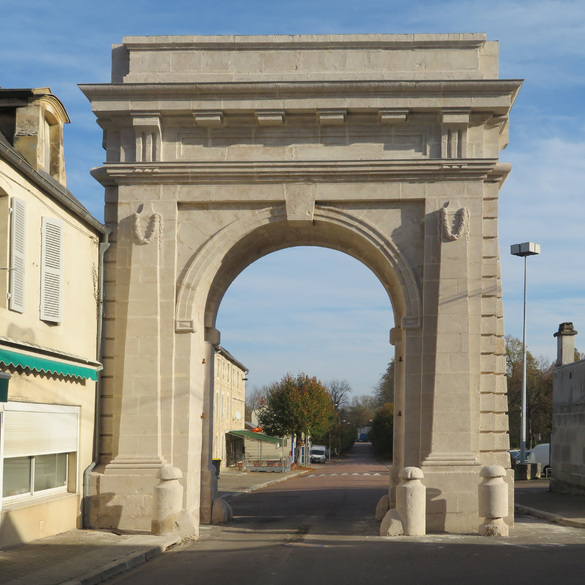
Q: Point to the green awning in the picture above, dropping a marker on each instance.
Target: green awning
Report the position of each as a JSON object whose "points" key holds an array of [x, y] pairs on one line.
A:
{"points": [[38, 364], [256, 436], [4, 379]]}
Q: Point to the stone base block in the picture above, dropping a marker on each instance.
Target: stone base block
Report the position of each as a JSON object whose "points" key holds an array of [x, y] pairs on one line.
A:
{"points": [[493, 527], [526, 471], [221, 512], [452, 498], [391, 524], [567, 487], [122, 501], [382, 508]]}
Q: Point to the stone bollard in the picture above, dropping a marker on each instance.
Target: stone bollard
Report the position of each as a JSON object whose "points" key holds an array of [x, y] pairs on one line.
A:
{"points": [[409, 516], [493, 501], [411, 501], [167, 501]]}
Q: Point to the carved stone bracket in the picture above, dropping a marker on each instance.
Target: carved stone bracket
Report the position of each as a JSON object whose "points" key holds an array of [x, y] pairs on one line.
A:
{"points": [[147, 131], [455, 124], [184, 326], [300, 203]]}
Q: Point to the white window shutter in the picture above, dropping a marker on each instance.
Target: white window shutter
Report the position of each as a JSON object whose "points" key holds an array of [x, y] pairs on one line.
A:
{"points": [[39, 433], [51, 269], [17, 249]]}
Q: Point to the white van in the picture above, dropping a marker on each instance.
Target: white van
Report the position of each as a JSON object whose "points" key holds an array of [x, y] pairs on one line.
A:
{"points": [[318, 454], [541, 454]]}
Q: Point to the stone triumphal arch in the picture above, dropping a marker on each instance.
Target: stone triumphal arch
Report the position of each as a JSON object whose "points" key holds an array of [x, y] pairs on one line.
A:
{"points": [[223, 149]]}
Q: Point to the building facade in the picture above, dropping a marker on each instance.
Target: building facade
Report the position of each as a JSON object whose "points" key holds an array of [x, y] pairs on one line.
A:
{"points": [[221, 150], [229, 406], [568, 429], [49, 303]]}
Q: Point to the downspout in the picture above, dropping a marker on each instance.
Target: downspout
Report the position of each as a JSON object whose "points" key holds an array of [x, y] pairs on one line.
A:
{"points": [[104, 245]]}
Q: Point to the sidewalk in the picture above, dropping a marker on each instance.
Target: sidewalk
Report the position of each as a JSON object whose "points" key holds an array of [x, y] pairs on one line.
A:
{"points": [[533, 498], [88, 557]]}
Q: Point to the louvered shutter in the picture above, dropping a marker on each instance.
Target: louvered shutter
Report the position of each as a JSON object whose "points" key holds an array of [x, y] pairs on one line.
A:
{"points": [[17, 249], [51, 268], [40, 433]]}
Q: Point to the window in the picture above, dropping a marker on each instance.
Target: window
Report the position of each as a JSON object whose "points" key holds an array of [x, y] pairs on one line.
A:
{"points": [[31, 475], [51, 260], [40, 449], [17, 249], [45, 145]]}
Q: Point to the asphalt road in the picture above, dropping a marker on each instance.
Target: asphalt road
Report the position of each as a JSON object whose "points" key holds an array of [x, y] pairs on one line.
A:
{"points": [[319, 528]]}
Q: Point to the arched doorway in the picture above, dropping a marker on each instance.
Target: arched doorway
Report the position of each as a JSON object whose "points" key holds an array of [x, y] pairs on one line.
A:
{"points": [[250, 237], [328, 142]]}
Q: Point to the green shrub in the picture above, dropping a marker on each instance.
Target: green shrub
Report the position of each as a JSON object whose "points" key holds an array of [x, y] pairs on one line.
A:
{"points": [[382, 433]]}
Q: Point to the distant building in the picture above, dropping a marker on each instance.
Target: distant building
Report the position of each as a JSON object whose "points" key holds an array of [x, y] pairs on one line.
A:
{"points": [[263, 452], [568, 428], [229, 406], [49, 335]]}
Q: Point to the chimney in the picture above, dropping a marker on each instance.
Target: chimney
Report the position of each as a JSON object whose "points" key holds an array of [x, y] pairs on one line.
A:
{"points": [[565, 344]]}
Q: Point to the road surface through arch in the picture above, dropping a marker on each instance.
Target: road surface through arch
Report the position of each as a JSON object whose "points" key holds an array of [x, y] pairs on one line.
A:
{"points": [[339, 497], [319, 528]]}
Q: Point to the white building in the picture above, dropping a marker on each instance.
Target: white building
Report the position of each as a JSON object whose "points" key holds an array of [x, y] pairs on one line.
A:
{"points": [[568, 432], [229, 406], [49, 302]]}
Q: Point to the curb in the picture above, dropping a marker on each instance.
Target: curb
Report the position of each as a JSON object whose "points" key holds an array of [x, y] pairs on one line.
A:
{"points": [[262, 485], [550, 516], [123, 564]]}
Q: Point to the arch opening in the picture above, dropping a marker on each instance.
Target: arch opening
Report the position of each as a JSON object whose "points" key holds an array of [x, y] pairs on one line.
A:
{"points": [[334, 230], [247, 241], [302, 309]]}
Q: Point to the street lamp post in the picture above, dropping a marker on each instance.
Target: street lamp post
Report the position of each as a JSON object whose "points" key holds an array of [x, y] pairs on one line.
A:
{"points": [[524, 250]]}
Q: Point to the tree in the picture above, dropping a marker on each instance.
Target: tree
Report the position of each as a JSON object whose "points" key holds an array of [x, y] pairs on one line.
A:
{"points": [[382, 432], [384, 390], [299, 406], [538, 394], [361, 410], [254, 400], [339, 390]]}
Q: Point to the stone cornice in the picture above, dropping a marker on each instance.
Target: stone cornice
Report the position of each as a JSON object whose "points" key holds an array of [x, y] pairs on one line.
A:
{"points": [[303, 42], [296, 171], [471, 88]]}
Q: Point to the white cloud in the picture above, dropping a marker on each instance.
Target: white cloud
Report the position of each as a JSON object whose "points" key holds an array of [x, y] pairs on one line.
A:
{"points": [[543, 201]]}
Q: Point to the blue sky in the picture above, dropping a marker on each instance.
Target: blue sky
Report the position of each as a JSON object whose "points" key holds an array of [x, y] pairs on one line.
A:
{"points": [[315, 310]]}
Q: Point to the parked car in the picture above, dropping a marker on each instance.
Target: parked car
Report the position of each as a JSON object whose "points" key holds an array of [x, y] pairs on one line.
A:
{"points": [[515, 456], [318, 454], [541, 454]]}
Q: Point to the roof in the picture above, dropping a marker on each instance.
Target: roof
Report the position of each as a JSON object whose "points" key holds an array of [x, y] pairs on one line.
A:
{"points": [[48, 184], [255, 436], [226, 354]]}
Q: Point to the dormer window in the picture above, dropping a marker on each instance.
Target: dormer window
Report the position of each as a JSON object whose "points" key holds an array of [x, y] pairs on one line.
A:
{"points": [[45, 146], [50, 149], [38, 133]]}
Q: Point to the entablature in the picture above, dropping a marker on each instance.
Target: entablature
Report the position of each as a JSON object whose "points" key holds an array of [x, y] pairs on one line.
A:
{"points": [[493, 96], [299, 171]]}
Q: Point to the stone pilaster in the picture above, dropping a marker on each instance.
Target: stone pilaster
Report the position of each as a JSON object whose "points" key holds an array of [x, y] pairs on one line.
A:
{"points": [[450, 439], [139, 457]]}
